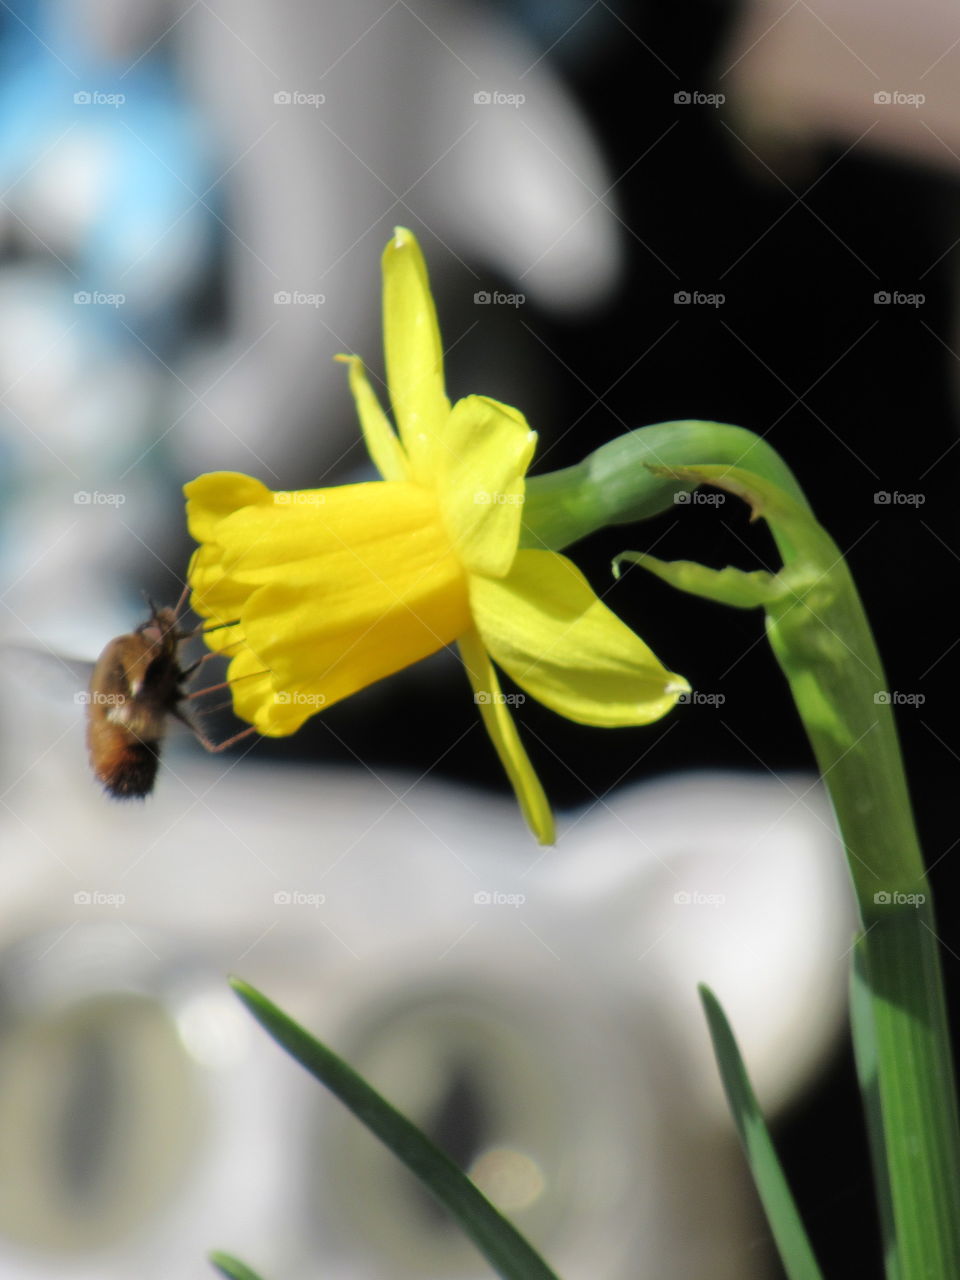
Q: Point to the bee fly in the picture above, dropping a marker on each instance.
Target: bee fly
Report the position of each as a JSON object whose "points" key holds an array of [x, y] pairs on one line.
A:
{"points": [[137, 684]]}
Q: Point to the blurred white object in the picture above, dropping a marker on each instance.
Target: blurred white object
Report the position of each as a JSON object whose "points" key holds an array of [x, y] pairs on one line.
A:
{"points": [[417, 123], [535, 1008]]}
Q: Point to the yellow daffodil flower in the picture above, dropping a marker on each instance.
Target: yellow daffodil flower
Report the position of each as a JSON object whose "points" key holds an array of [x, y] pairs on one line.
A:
{"points": [[332, 589]]}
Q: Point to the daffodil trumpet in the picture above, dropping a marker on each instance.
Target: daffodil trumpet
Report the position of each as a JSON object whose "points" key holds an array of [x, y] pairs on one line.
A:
{"points": [[336, 588]]}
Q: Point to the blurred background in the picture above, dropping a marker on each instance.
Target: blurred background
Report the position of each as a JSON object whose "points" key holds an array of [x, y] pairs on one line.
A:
{"points": [[741, 212]]}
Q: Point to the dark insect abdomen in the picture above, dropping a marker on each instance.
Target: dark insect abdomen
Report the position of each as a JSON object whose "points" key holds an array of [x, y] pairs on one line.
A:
{"points": [[133, 771]]}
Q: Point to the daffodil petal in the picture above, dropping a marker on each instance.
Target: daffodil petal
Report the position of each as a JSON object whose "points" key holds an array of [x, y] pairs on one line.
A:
{"points": [[334, 589], [413, 352], [215, 596], [480, 464], [503, 734], [381, 439], [548, 630], [221, 629], [252, 687], [217, 494]]}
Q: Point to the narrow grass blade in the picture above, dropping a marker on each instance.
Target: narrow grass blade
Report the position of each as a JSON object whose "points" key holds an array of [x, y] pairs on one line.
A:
{"points": [[866, 1055], [231, 1268], [500, 1243], [778, 1203]]}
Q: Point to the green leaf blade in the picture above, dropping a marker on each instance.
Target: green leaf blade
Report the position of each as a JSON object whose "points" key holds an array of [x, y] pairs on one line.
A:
{"points": [[232, 1268], [866, 1052], [510, 1255], [778, 1203]]}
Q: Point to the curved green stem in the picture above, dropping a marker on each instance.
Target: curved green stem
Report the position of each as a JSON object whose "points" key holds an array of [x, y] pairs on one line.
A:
{"points": [[616, 485], [820, 635]]}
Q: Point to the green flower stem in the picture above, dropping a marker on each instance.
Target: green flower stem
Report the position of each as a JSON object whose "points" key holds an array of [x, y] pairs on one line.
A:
{"points": [[614, 486], [820, 635]]}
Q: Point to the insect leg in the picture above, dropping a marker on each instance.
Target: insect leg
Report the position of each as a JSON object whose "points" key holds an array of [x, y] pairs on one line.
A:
{"points": [[215, 747], [201, 629], [188, 671], [182, 601], [211, 688], [201, 737]]}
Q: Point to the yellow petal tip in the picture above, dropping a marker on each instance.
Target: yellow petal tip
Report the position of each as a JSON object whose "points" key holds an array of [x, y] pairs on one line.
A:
{"points": [[545, 833], [342, 358]]}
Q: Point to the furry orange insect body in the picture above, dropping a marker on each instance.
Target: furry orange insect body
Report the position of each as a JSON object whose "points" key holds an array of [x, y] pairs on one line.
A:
{"points": [[137, 683], [136, 686]]}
